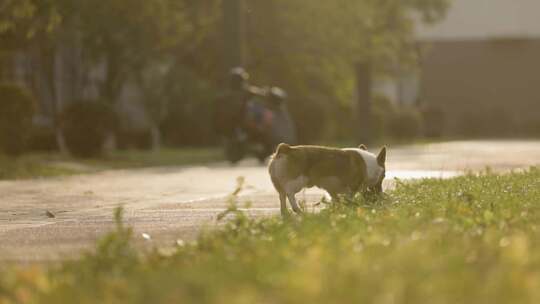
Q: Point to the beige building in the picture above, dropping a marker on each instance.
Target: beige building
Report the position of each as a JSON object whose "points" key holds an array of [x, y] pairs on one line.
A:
{"points": [[481, 66]]}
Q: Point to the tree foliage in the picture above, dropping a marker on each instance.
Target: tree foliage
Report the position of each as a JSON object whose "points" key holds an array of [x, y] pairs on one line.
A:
{"points": [[86, 125], [308, 47], [23, 21], [16, 110]]}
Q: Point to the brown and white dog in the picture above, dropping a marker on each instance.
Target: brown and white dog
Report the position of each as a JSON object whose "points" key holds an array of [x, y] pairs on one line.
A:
{"points": [[338, 171]]}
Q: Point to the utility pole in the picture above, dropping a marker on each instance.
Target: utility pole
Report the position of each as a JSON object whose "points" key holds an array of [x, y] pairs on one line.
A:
{"points": [[363, 103], [234, 33]]}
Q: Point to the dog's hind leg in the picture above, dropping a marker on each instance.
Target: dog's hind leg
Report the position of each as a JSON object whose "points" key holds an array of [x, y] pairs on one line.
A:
{"points": [[294, 205], [294, 186], [283, 204]]}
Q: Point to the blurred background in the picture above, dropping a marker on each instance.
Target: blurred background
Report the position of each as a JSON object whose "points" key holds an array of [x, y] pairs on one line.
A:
{"points": [[83, 76]]}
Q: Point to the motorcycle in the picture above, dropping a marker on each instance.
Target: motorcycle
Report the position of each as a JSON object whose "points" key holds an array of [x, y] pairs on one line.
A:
{"points": [[264, 122]]}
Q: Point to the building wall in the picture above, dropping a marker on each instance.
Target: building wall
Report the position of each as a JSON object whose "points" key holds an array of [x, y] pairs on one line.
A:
{"points": [[485, 19], [485, 87], [401, 88]]}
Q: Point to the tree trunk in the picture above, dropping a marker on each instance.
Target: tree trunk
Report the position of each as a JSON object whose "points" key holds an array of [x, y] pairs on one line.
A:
{"points": [[363, 103], [60, 141], [155, 134], [110, 143], [234, 33]]}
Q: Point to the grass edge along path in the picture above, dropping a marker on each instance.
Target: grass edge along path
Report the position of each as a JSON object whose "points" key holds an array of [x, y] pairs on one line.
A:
{"points": [[39, 165], [470, 239]]}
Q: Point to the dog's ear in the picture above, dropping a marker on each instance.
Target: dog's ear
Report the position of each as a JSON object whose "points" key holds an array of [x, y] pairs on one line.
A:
{"points": [[362, 147], [381, 158]]}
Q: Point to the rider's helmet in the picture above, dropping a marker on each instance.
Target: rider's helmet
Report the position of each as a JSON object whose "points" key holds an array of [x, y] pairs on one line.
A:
{"points": [[238, 78]]}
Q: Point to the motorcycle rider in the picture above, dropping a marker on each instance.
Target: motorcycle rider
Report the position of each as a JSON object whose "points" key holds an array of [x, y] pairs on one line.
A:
{"points": [[250, 117], [282, 129]]}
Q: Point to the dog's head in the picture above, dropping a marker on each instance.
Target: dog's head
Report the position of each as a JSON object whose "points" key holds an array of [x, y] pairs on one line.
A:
{"points": [[375, 168], [380, 173]]}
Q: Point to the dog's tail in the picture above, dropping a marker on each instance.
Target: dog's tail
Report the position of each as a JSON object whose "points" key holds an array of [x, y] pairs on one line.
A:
{"points": [[283, 149]]}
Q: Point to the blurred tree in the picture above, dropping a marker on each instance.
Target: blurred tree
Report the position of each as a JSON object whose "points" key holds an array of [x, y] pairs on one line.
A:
{"points": [[307, 47], [29, 27], [131, 38], [144, 40], [310, 48], [16, 110], [154, 84], [23, 20], [86, 125], [127, 35]]}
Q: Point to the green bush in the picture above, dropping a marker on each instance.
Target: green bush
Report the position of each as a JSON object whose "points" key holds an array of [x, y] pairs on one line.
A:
{"points": [[85, 125], [139, 139], [42, 139], [434, 121], [406, 123], [189, 117], [531, 127], [391, 121], [16, 111], [310, 124], [189, 123]]}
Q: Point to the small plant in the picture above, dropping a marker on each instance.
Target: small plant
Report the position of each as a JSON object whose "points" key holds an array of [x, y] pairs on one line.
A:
{"points": [[85, 125], [16, 111]]}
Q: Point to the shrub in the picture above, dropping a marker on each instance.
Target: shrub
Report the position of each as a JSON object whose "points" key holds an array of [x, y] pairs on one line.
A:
{"points": [[16, 111], [85, 125], [310, 125], [42, 138], [399, 122], [531, 127], [189, 123], [139, 139], [406, 123], [434, 121], [189, 117]]}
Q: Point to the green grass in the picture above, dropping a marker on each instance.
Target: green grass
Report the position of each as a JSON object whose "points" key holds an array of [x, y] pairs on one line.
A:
{"points": [[54, 164], [163, 157], [30, 167], [472, 239]]}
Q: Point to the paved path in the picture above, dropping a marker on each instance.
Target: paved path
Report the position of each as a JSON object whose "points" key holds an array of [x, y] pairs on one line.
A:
{"points": [[176, 203]]}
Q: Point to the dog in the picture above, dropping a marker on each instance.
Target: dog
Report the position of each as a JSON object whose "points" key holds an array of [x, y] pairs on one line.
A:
{"points": [[338, 171]]}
